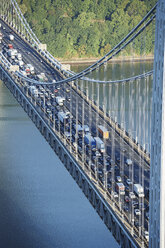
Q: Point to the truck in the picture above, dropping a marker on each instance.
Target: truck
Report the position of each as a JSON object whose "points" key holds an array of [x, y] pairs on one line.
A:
{"points": [[30, 67], [11, 37], [33, 91], [60, 100], [12, 53], [27, 71], [120, 188], [99, 144], [40, 78], [89, 140], [139, 190], [63, 117], [103, 132]]}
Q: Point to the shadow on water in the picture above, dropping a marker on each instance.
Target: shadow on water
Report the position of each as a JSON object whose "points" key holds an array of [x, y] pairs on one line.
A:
{"points": [[18, 230], [40, 204]]}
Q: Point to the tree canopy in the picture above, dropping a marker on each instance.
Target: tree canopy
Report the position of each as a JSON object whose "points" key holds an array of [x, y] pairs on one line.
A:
{"points": [[85, 28]]}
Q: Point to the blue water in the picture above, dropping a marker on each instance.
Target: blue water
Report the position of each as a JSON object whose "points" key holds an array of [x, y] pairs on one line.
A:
{"points": [[41, 206]]}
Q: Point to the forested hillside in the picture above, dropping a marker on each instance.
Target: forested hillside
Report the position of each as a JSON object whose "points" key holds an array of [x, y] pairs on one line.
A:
{"points": [[85, 28]]}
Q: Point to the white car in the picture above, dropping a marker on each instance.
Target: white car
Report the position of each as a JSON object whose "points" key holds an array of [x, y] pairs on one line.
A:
{"points": [[137, 212], [118, 179], [115, 195], [128, 181], [128, 161], [146, 235], [132, 195]]}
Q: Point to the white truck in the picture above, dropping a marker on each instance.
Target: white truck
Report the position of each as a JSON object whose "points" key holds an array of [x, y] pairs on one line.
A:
{"points": [[99, 144], [120, 188], [62, 116], [139, 190], [60, 100], [12, 53], [11, 37]]}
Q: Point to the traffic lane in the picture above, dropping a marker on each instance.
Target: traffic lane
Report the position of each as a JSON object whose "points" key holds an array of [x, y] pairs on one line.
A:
{"points": [[32, 58], [137, 166], [49, 120], [31, 54], [120, 201], [43, 66], [116, 136]]}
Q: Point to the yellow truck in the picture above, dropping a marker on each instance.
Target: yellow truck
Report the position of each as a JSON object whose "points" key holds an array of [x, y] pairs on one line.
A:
{"points": [[103, 132]]}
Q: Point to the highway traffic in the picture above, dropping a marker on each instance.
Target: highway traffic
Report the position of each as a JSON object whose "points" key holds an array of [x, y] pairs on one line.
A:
{"points": [[114, 167]]}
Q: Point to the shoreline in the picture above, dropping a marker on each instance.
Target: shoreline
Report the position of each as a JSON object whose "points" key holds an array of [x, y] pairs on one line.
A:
{"points": [[93, 60]]}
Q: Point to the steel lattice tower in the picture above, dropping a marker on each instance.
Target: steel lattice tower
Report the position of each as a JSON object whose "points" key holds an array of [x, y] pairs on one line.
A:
{"points": [[157, 172]]}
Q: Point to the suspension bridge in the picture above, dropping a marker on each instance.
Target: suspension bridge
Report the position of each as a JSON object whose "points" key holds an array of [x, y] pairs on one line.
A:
{"points": [[107, 130]]}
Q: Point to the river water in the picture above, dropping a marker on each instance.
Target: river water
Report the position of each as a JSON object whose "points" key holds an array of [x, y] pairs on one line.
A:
{"points": [[41, 206], [129, 104]]}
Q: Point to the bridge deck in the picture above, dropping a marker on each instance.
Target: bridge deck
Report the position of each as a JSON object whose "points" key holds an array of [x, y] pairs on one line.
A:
{"points": [[79, 104]]}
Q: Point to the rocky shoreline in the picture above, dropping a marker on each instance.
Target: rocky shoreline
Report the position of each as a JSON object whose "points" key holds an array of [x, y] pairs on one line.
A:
{"points": [[77, 61]]}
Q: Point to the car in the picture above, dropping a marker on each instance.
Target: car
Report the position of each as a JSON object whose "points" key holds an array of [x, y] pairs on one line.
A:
{"points": [[68, 98], [123, 150], [115, 194], [80, 150], [100, 171], [67, 90], [127, 199], [134, 203], [147, 215], [48, 110], [128, 161], [138, 223], [128, 181], [118, 159], [108, 158], [109, 187], [127, 188], [146, 235], [98, 154], [132, 195], [137, 212], [126, 208], [118, 179]]}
